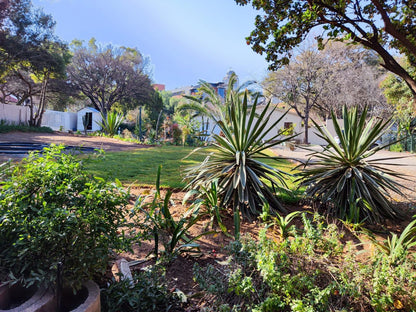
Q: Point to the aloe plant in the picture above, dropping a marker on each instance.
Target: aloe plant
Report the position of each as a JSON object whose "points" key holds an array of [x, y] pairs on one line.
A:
{"points": [[245, 183], [344, 178]]}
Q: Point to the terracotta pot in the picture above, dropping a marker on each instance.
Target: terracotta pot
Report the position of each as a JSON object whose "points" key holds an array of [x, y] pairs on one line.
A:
{"points": [[42, 300], [19, 299]]}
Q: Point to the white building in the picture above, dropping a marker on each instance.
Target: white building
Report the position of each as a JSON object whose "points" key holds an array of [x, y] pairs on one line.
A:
{"points": [[59, 121], [93, 118]]}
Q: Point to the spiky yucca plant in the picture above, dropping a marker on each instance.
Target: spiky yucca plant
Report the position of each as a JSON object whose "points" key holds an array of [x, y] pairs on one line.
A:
{"points": [[111, 122], [245, 183], [343, 177]]}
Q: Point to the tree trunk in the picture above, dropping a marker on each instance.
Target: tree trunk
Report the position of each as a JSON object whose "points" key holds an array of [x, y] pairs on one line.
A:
{"points": [[42, 101], [306, 121]]}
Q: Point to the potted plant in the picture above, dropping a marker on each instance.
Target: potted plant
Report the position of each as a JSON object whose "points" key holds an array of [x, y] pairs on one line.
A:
{"points": [[58, 224]]}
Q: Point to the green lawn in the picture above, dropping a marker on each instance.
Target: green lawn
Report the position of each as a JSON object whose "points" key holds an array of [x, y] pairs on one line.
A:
{"points": [[140, 167]]}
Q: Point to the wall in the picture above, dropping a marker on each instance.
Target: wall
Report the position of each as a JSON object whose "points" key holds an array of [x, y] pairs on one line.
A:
{"points": [[14, 113], [62, 121], [96, 117]]}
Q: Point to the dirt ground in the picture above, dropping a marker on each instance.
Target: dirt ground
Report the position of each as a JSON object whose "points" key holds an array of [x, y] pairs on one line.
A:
{"points": [[96, 142], [107, 144]]}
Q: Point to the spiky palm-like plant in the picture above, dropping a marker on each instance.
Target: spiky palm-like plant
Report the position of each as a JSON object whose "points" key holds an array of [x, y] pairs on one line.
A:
{"points": [[245, 182], [344, 178], [111, 122]]}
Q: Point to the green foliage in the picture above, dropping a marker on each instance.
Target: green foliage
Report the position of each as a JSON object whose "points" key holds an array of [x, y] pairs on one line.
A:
{"points": [[160, 224], [7, 127], [52, 211], [154, 107], [396, 248], [189, 126], [398, 147], [111, 122], [342, 177], [208, 198], [268, 276], [245, 182], [283, 223], [313, 271], [149, 292], [282, 26]]}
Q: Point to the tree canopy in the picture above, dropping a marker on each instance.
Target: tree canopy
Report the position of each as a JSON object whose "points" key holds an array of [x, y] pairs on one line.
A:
{"points": [[379, 25], [23, 34], [30, 56], [109, 75]]}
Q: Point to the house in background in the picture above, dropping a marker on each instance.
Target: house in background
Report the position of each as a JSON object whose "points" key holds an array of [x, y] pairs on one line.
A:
{"points": [[92, 117]]}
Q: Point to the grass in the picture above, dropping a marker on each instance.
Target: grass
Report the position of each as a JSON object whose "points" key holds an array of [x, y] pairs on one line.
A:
{"points": [[140, 167]]}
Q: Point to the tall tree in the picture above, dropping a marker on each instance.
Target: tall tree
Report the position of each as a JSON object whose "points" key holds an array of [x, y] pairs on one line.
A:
{"points": [[23, 32], [300, 84], [376, 24], [354, 81], [30, 55], [400, 97], [109, 75]]}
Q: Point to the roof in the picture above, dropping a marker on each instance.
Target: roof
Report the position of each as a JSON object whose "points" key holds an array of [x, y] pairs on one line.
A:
{"points": [[92, 109]]}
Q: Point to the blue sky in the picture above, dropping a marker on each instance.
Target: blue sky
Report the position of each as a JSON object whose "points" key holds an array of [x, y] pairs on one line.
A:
{"points": [[187, 40]]}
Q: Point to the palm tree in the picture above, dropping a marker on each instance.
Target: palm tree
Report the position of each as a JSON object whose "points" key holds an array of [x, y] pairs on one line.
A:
{"points": [[208, 103]]}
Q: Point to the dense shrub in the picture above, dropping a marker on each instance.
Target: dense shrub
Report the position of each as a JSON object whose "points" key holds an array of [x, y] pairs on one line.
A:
{"points": [[147, 292], [51, 211]]}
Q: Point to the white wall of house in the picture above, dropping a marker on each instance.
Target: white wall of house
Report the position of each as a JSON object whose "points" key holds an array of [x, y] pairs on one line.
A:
{"points": [[329, 124], [208, 125], [16, 114], [290, 118], [96, 118], [62, 121]]}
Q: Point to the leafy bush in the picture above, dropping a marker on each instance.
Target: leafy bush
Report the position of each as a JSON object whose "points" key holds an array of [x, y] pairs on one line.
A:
{"points": [[51, 211], [343, 177], [149, 292], [244, 182]]}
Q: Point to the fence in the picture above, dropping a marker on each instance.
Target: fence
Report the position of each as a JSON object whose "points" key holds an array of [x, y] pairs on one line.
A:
{"points": [[14, 114]]}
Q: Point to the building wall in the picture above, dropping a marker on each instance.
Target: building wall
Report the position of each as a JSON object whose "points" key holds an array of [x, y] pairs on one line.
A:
{"points": [[289, 118], [14, 113], [96, 118], [62, 121]]}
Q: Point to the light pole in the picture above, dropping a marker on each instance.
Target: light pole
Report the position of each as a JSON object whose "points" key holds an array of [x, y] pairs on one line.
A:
{"points": [[140, 123]]}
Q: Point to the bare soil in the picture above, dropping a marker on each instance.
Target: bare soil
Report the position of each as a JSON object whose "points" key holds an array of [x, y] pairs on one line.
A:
{"points": [[107, 144]]}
